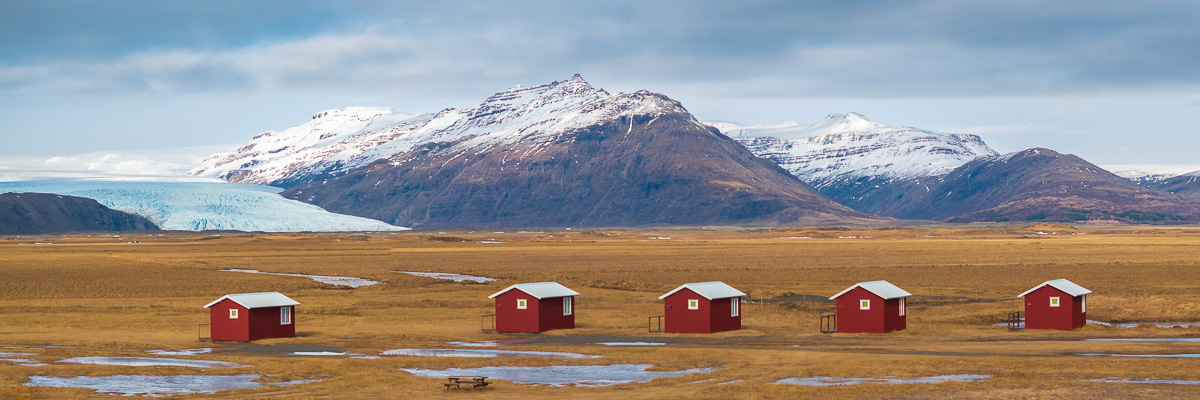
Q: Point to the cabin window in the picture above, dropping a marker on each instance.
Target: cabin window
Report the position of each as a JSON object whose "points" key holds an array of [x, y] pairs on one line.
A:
{"points": [[734, 303], [522, 304], [864, 304], [566, 306], [1054, 302], [1083, 303], [233, 313], [902, 306], [285, 316], [693, 304]]}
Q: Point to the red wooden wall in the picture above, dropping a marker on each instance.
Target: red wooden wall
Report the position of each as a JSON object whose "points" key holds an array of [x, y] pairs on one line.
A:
{"points": [[884, 316], [539, 315], [712, 316], [225, 329], [259, 323], [1067, 316]]}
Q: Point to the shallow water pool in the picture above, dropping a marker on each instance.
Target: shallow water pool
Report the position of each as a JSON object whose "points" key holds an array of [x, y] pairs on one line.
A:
{"points": [[833, 381], [563, 375], [151, 385], [485, 353]]}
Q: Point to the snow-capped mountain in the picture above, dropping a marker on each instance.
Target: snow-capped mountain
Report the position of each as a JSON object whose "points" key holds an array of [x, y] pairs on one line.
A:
{"points": [[198, 206], [337, 141], [845, 147], [559, 154], [1187, 185]]}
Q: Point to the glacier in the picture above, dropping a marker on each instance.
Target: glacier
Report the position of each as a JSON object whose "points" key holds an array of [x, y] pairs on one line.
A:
{"points": [[203, 206]]}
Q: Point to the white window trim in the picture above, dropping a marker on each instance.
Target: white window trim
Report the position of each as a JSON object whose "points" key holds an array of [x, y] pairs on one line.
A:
{"points": [[285, 315], [1083, 303], [233, 313], [522, 304], [734, 306], [1055, 302], [693, 304], [567, 306], [864, 304], [902, 301]]}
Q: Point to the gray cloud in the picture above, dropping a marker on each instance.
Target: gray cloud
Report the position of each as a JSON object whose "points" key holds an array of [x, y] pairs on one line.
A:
{"points": [[926, 48]]}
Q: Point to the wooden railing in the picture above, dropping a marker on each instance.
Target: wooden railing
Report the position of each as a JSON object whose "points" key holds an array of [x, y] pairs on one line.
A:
{"points": [[654, 324], [829, 323], [1016, 320], [204, 332], [487, 322]]}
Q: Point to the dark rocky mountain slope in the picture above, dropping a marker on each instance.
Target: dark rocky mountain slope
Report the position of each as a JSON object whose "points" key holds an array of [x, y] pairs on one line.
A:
{"points": [[36, 213], [1186, 185], [1031, 185], [630, 159]]}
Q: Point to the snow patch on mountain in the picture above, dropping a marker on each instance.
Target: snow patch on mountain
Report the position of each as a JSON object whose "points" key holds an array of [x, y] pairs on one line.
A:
{"points": [[198, 206], [845, 147], [1153, 173], [336, 141]]}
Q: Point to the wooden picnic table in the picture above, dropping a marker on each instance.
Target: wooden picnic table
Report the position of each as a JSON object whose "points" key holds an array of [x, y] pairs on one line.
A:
{"points": [[474, 381]]}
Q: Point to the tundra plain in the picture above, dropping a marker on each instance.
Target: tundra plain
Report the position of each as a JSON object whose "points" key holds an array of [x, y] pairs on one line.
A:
{"points": [[97, 295]]}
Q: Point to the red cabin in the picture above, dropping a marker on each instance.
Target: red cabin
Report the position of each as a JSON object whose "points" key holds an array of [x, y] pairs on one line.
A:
{"points": [[1057, 304], [704, 307], [252, 316], [871, 307], [535, 307]]}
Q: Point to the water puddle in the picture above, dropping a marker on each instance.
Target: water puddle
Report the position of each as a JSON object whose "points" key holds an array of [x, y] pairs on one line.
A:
{"points": [[631, 344], [331, 280], [726, 383], [184, 352], [448, 276], [157, 386], [1152, 381], [1178, 340], [481, 353], [24, 362], [832, 381], [1135, 324], [563, 375], [485, 343], [151, 362], [704, 380], [316, 353], [1141, 355]]}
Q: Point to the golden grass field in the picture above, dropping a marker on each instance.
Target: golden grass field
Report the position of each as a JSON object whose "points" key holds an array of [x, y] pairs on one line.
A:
{"points": [[107, 297]]}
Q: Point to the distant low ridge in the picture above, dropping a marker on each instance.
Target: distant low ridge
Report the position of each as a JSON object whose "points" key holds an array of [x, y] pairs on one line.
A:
{"points": [[1032, 185], [37, 213]]}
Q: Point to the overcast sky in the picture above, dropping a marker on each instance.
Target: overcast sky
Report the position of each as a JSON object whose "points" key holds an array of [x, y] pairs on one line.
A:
{"points": [[1116, 82]]}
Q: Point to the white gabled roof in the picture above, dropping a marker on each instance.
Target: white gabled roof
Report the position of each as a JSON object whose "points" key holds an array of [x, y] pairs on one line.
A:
{"points": [[1064, 285], [883, 289], [710, 290], [257, 300], [540, 290]]}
